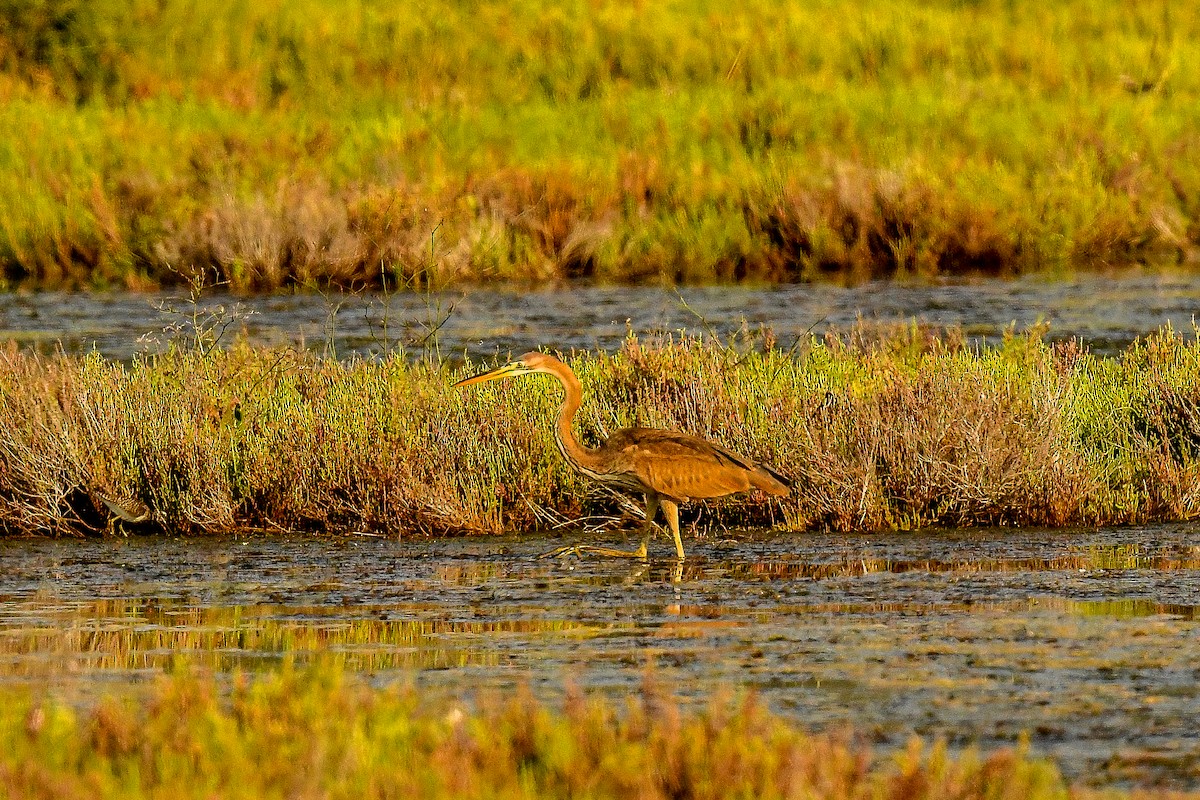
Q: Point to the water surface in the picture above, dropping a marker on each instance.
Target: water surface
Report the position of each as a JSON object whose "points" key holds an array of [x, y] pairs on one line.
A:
{"points": [[1108, 312], [1086, 641]]}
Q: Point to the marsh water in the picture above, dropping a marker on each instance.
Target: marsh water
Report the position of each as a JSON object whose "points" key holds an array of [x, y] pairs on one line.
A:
{"points": [[1106, 311], [1086, 641]]}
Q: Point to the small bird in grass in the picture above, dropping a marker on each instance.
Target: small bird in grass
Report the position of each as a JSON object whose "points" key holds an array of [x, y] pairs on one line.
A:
{"points": [[668, 467]]}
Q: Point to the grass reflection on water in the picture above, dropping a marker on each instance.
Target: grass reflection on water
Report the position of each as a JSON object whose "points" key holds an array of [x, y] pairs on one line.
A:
{"points": [[136, 634], [43, 634]]}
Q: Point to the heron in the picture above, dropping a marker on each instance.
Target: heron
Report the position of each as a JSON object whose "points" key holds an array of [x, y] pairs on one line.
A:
{"points": [[667, 467]]}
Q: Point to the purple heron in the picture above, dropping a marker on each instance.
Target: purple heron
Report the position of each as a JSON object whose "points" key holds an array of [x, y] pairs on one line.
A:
{"points": [[667, 467]]}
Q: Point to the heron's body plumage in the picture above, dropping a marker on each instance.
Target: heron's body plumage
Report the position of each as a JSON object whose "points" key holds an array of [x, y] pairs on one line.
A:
{"points": [[683, 467]]}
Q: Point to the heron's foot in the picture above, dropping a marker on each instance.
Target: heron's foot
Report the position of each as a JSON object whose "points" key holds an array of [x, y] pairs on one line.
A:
{"points": [[607, 552]]}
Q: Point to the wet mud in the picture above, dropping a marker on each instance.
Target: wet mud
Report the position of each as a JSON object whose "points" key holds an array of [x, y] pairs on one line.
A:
{"points": [[1084, 641]]}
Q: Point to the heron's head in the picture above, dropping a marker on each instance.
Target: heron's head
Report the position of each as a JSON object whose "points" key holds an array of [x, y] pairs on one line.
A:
{"points": [[530, 362]]}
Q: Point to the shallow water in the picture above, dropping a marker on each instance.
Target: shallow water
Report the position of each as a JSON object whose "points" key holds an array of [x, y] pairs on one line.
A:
{"points": [[1086, 640], [1106, 311]]}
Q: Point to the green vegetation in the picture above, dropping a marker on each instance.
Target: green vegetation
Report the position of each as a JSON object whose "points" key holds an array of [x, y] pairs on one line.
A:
{"points": [[275, 736], [900, 428], [348, 142]]}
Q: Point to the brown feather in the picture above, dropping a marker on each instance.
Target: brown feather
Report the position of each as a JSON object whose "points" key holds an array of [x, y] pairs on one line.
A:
{"points": [[681, 466]]}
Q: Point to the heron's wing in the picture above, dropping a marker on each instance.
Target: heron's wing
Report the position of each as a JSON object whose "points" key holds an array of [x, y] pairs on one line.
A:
{"points": [[678, 465], [141, 514]]}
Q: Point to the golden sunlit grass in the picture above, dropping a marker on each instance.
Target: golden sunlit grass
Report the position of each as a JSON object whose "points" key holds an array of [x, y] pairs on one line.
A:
{"points": [[342, 142], [899, 429], [316, 733]]}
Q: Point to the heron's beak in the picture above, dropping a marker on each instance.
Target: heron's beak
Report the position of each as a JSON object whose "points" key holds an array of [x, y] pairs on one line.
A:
{"points": [[507, 371]]}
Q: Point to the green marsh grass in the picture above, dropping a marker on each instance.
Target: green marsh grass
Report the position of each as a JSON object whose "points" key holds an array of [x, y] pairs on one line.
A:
{"points": [[904, 428], [690, 141], [275, 736]]}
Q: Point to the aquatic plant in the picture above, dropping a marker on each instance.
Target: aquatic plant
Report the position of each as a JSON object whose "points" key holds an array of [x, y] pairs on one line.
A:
{"points": [[144, 143], [275, 735], [901, 429]]}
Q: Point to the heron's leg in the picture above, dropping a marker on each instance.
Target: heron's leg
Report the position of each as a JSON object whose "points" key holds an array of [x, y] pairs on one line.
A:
{"points": [[671, 512], [652, 503]]}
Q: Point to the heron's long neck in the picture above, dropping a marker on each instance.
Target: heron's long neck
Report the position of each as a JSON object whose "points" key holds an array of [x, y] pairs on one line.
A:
{"points": [[582, 458]]}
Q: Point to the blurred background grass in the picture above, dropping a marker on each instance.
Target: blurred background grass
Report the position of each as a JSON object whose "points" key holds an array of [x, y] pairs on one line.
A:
{"points": [[328, 143], [274, 736]]}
